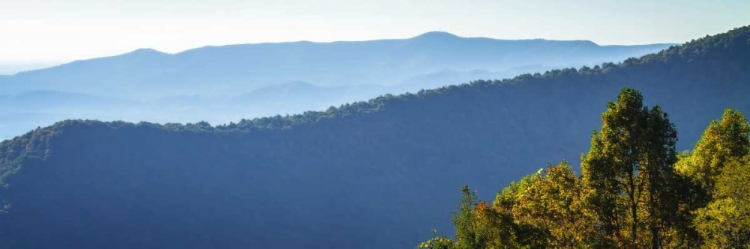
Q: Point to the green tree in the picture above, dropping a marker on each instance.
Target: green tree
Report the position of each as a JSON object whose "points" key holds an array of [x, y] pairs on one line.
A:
{"points": [[481, 225], [508, 197], [629, 169], [658, 176], [438, 242], [725, 222], [723, 141], [464, 220], [552, 203]]}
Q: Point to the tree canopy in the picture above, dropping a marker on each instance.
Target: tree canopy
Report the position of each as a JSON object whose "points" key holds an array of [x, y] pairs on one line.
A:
{"points": [[632, 191]]}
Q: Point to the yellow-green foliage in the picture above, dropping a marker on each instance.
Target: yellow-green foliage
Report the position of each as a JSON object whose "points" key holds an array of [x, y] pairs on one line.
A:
{"points": [[438, 242], [723, 141], [629, 171], [725, 222], [635, 191], [553, 203]]}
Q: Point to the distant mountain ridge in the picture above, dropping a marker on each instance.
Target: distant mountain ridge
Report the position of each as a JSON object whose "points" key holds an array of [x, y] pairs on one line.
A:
{"points": [[362, 175], [42, 98], [13, 67], [204, 79], [148, 74]]}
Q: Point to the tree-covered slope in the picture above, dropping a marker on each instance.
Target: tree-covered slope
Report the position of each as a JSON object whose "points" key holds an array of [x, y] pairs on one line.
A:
{"points": [[370, 174], [343, 72]]}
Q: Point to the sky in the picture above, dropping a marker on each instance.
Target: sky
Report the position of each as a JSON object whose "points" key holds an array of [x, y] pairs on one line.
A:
{"points": [[64, 30]]}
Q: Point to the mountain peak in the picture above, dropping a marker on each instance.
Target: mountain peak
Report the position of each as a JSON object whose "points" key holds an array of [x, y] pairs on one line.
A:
{"points": [[146, 51], [432, 35]]}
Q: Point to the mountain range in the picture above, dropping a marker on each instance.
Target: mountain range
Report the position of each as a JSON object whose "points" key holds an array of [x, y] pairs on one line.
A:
{"points": [[341, 71], [147, 73], [369, 174], [13, 67]]}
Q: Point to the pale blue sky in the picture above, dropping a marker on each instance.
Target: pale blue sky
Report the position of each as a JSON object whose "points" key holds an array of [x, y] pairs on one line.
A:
{"points": [[55, 30]]}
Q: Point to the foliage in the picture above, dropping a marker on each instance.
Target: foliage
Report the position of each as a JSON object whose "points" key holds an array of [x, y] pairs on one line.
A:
{"points": [[553, 203], [629, 172], [437, 242], [723, 141], [630, 194], [725, 222]]}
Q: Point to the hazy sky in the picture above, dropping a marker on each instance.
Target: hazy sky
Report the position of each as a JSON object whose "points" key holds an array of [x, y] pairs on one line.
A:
{"points": [[54, 30]]}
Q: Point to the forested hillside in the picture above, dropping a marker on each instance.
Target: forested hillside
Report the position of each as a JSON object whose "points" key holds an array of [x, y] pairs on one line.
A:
{"points": [[635, 191], [371, 174], [226, 83]]}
